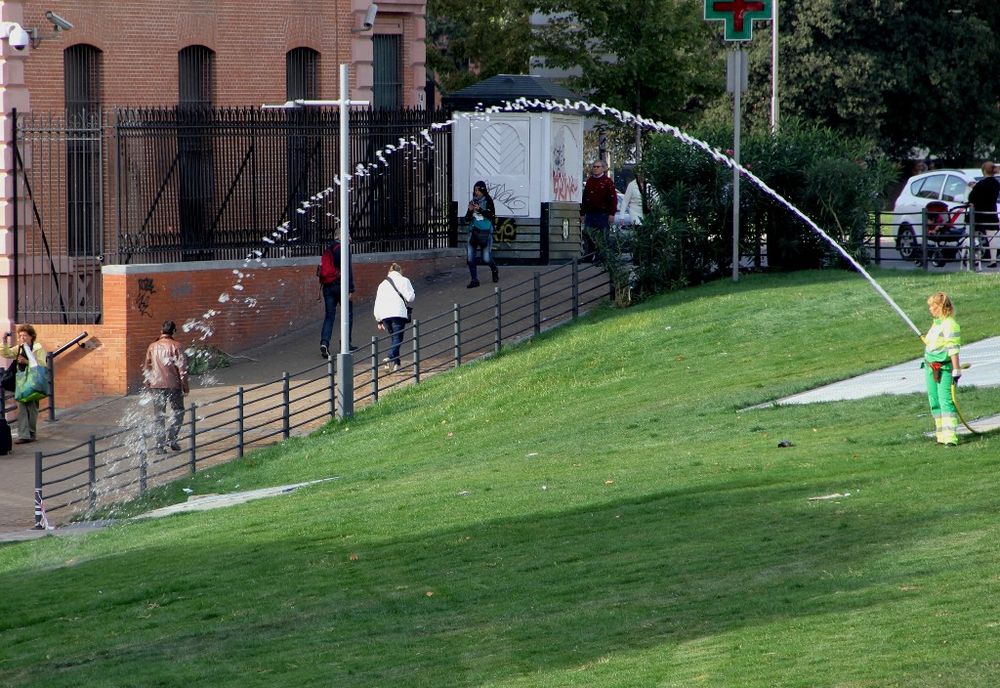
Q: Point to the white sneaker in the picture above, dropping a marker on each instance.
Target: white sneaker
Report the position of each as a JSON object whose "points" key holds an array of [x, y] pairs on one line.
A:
{"points": [[395, 367], [388, 365]]}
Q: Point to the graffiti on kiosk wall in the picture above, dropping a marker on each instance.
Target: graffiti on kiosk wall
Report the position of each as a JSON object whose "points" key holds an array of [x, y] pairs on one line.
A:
{"points": [[145, 295], [507, 198], [565, 185], [505, 230]]}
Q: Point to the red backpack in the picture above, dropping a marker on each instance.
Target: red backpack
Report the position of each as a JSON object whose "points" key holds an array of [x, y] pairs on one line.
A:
{"points": [[328, 270]]}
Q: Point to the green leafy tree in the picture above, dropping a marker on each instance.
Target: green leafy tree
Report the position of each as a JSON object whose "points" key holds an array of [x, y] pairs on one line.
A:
{"points": [[834, 180], [657, 58], [468, 41], [911, 75]]}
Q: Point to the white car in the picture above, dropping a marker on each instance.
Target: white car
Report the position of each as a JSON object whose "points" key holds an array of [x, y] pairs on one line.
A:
{"points": [[948, 186]]}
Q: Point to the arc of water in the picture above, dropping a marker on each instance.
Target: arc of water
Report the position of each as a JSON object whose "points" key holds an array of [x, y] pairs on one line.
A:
{"points": [[627, 117]]}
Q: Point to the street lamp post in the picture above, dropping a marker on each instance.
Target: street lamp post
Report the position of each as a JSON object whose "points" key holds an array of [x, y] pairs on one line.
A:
{"points": [[345, 359]]}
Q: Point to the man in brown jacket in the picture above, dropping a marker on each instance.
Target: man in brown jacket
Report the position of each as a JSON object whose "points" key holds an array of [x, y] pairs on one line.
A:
{"points": [[166, 375]]}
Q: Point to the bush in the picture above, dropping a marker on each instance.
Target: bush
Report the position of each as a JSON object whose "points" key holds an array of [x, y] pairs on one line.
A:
{"points": [[205, 357], [688, 239]]}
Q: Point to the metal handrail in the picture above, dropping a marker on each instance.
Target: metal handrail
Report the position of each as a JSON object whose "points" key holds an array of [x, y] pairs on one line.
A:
{"points": [[50, 361]]}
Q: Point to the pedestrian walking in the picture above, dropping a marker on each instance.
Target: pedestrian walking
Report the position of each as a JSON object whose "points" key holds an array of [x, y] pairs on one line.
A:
{"points": [[598, 207], [329, 280], [165, 372], [941, 366], [31, 380], [392, 312], [481, 217], [983, 198]]}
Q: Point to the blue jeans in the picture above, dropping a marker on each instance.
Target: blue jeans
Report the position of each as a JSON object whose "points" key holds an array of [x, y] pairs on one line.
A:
{"points": [[395, 327], [331, 297], [471, 255], [595, 224]]}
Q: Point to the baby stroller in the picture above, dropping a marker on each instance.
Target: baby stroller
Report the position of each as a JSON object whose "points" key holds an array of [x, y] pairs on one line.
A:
{"points": [[947, 234]]}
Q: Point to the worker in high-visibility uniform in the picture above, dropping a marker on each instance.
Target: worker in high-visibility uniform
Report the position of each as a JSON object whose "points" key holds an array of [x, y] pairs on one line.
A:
{"points": [[941, 366]]}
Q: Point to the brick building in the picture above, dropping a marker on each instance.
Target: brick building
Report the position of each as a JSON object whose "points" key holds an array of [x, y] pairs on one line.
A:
{"points": [[216, 53]]}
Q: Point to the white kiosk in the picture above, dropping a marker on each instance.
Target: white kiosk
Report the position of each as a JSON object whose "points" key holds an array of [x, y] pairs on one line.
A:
{"points": [[532, 163]]}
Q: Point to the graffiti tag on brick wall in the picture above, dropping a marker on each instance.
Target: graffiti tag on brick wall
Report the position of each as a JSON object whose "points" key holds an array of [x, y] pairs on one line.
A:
{"points": [[145, 295]]}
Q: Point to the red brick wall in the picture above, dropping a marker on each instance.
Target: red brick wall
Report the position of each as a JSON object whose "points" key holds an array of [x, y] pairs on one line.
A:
{"points": [[138, 298], [140, 39]]}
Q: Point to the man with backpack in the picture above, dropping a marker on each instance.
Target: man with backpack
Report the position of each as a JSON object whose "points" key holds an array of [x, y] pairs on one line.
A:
{"points": [[329, 280]]}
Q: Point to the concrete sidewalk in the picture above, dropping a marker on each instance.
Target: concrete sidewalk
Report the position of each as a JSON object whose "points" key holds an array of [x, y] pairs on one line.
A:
{"points": [[983, 358], [436, 294]]}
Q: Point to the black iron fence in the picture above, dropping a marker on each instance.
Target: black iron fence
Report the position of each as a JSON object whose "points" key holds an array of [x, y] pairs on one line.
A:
{"points": [[942, 236], [161, 185], [119, 465]]}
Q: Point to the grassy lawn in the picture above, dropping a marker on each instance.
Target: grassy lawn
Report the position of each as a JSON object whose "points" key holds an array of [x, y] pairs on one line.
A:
{"points": [[589, 509]]}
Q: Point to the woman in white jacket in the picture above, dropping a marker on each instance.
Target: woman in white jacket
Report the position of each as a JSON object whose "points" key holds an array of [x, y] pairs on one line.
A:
{"points": [[394, 292]]}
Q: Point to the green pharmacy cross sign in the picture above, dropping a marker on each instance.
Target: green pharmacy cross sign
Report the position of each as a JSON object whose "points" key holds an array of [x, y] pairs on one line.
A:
{"points": [[738, 15]]}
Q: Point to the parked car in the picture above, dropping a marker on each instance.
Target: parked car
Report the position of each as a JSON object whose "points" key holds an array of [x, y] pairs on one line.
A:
{"points": [[937, 186]]}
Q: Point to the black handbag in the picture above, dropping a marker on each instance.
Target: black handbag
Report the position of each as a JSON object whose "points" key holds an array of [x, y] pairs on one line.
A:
{"points": [[9, 378]]}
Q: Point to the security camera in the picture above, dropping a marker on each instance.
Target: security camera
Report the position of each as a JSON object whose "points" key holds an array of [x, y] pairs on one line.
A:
{"points": [[58, 22], [17, 38], [369, 21]]}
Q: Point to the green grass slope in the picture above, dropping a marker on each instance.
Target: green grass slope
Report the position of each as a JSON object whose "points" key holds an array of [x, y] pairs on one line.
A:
{"points": [[588, 509]]}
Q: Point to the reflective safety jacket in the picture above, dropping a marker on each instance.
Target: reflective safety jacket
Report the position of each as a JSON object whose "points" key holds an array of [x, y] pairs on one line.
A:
{"points": [[942, 340]]}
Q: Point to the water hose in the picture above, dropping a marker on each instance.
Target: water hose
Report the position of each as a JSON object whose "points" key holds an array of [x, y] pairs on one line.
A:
{"points": [[958, 411]]}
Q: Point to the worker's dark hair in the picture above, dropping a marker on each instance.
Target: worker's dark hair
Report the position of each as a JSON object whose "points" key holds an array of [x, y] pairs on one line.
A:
{"points": [[168, 327]]}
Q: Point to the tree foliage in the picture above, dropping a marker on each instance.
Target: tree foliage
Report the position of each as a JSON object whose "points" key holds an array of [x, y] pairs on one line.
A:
{"points": [[834, 180], [913, 75], [467, 42], [658, 58]]}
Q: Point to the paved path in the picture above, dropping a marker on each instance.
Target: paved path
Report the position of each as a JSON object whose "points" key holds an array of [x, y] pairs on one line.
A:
{"points": [[908, 378]]}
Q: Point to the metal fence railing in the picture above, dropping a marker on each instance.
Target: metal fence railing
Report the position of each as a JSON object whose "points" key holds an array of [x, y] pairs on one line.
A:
{"points": [[940, 235], [165, 185], [119, 465]]}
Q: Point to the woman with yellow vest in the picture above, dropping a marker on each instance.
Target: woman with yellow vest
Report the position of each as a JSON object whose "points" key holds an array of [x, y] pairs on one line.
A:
{"points": [[941, 366]]}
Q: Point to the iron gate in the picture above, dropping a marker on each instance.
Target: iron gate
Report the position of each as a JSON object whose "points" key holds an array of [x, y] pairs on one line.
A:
{"points": [[164, 185]]}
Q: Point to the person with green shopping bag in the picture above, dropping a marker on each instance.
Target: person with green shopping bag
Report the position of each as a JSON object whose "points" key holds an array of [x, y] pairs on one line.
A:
{"points": [[32, 380]]}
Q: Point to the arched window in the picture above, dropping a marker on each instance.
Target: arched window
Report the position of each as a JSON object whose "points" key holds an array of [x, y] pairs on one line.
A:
{"points": [[82, 92], [196, 76], [302, 74], [195, 93], [305, 158]]}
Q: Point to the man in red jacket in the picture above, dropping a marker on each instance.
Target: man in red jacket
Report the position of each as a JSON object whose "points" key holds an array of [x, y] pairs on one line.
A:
{"points": [[600, 203]]}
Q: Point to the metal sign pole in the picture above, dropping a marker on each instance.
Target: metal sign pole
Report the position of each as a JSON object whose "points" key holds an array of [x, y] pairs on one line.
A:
{"points": [[736, 84], [774, 67], [736, 174]]}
